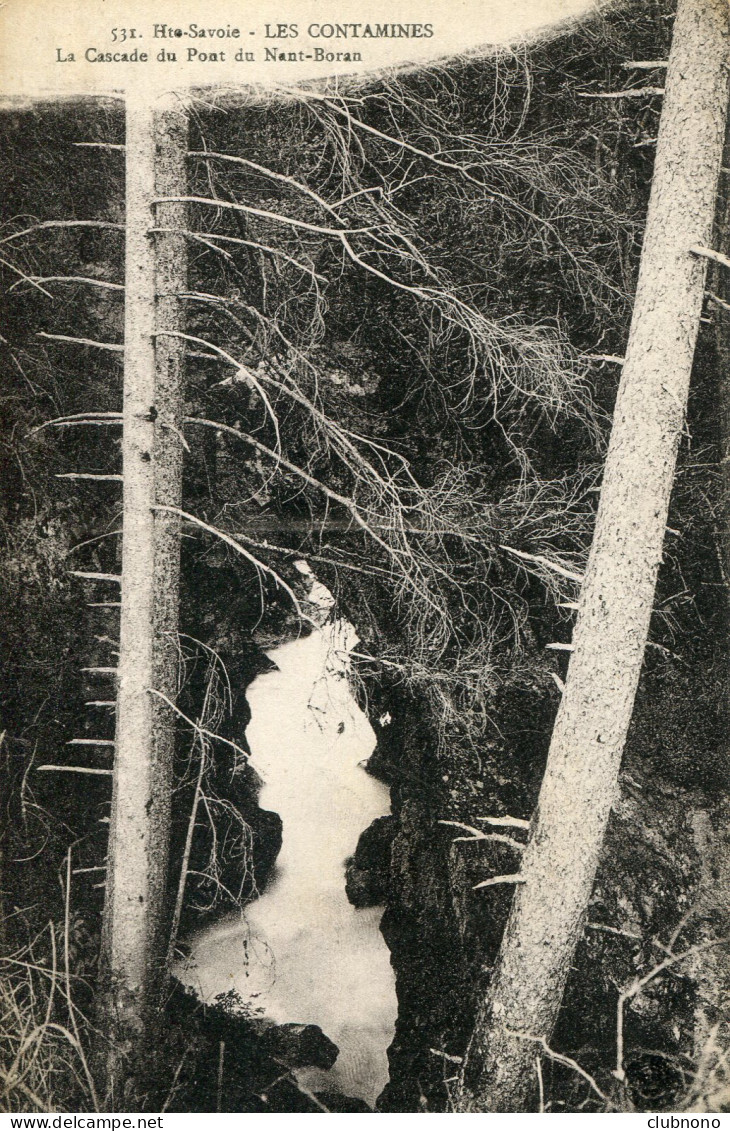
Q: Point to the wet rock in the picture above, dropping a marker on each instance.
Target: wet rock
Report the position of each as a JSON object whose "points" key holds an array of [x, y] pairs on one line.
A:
{"points": [[363, 887], [373, 847], [300, 1046], [335, 1102], [367, 872], [266, 828]]}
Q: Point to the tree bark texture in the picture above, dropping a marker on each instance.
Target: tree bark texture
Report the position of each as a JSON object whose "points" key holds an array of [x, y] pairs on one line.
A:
{"points": [[719, 281], [155, 276], [581, 777]]}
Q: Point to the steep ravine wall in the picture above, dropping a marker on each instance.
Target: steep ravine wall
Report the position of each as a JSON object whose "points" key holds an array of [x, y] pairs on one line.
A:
{"points": [[664, 862]]}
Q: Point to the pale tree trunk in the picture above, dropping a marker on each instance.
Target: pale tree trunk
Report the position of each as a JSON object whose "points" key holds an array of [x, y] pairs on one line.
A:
{"points": [[720, 286], [155, 275], [581, 777]]}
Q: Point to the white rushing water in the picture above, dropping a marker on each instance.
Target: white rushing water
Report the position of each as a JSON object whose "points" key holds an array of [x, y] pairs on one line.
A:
{"points": [[303, 953]]}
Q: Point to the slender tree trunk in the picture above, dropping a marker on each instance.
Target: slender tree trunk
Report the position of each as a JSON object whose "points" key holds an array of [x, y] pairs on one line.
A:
{"points": [[720, 285], [581, 777], [4, 778], [134, 913]]}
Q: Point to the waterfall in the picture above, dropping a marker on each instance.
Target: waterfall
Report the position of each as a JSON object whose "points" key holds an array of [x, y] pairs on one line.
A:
{"points": [[302, 952]]}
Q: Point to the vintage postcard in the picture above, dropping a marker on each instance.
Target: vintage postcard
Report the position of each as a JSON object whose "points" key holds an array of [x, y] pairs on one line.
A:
{"points": [[365, 562]]}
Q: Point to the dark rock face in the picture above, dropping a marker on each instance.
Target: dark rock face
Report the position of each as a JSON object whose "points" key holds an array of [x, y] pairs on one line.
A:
{"points": [[337, 1103], [419, 925], [300, 1046], [229, 1060], [367, 872], [444, 935], [266, 828], [421, 932]]}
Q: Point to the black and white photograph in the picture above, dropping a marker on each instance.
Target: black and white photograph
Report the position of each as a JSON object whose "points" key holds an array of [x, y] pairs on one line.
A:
{"points": [[365, 559]]}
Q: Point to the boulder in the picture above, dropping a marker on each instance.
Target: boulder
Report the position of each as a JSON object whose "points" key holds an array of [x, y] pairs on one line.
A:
{"points": [[300, 1046]]}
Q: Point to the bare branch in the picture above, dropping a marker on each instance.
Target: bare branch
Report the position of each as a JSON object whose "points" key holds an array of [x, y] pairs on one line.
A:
{"points": [[508, 822], [540, 559], [516, 878], [196, 726], [561, 1059], [211, 239], [75, 770], [98, 476], [634, 92], [113, 346], [477, 834], [96, 576], [262, 169], [48, 224], [709, 253], [242, 550], [645, 64], [99, 145], [91, 742], [69, 279], [277, 217], [98, 418]]}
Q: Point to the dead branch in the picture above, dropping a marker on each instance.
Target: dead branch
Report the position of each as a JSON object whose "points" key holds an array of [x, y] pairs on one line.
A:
{"points": [[95, 475], [113, 346], [277, 217], [48, 224], [644, 64], [637, 985], [509, 822], [633, 92], [69, 279], [74, 770], [540, 559], [197, 727], [242, 550], [478, 834], [709, 253], [101, 418], [515, 878], [560, 1058]]}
